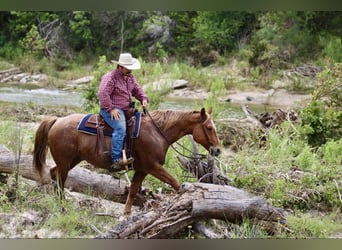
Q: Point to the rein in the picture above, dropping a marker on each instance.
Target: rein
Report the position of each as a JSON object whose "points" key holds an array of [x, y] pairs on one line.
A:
{"points": [[171, 144]]}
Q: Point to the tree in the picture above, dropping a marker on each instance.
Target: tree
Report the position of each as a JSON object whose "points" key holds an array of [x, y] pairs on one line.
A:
{"points": [[220, 30], [33, 42]]}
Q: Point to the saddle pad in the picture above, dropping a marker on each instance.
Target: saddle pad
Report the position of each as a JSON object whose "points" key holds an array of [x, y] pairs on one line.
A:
{"points": [[89, 130], [93, 131]]}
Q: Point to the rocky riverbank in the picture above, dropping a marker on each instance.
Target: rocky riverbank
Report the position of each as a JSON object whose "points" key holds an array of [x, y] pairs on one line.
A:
{"points": [[272, 97]]}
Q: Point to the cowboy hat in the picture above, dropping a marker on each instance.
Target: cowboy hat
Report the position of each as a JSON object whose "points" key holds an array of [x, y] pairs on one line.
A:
{"points": [[126, 60]]}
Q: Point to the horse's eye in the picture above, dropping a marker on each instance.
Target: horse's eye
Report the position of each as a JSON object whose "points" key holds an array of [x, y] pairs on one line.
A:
{"points": [[209, 128]]}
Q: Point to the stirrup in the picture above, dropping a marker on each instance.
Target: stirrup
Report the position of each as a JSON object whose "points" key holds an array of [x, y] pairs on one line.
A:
{"points": [[120, 165]]}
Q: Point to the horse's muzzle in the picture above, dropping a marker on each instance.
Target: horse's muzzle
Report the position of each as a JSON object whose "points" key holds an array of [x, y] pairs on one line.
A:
{"points": [[214, 151]]}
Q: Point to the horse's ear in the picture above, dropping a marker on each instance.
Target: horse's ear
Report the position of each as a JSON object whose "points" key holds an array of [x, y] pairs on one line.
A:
{"points": [[203, 114]]}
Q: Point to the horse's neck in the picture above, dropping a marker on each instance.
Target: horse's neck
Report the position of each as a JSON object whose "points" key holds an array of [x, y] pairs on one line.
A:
{"points": [[179, 128]]}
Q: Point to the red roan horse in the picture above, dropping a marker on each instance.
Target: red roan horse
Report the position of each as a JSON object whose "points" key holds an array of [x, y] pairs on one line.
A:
{"points": [[68, 146]]}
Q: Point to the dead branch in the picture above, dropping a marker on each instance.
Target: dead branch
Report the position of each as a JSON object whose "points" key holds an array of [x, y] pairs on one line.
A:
{"points": [[204, 171], [195, 202]]}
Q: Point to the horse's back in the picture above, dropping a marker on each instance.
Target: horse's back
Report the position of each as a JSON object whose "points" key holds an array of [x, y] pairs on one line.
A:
{"points": [[70, 121], [65, 128]]}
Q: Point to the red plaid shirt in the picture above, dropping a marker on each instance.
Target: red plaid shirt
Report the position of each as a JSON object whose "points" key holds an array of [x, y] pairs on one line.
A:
{"points": [[116, 92]]}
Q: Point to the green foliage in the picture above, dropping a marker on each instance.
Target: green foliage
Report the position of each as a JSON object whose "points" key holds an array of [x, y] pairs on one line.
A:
{"points": [[280, 40], [11, 52], [322, 118], [313, 225], [289, 173], [219, 29], [268, 39], [5, 65], [321, 123], [182, 32], [80, 27], [332, 48], [216, 88], [49, 218], [247, 230], [90, 94], [33, 43], [9, 131], [75, 223], [160, 51], [20, 23]]}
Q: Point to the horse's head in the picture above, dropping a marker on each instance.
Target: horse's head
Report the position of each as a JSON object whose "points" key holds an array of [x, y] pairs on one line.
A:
{"points": [[205, 133]]}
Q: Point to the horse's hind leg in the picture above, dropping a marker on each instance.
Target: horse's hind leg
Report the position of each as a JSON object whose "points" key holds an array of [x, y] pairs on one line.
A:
{"points": [[136, 184], [59, 177]]}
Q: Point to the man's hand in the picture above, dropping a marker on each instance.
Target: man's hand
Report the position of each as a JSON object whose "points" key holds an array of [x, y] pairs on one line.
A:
{"points": [[144, 103], [115, 114]]}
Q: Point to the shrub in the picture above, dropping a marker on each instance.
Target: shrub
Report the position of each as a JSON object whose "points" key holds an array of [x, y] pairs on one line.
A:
{"points": [[332, 48], [322, 118]]}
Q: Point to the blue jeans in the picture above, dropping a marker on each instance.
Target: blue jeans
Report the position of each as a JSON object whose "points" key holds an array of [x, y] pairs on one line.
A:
{"points": [[119, 132]]}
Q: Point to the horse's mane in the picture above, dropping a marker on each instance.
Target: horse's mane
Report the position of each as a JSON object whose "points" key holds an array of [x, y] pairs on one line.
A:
{"points": [[167, 118]]}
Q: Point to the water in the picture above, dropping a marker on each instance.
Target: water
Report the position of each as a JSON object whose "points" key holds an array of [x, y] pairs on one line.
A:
{"points": [[228, 109], [57, 97], [40, 96]]}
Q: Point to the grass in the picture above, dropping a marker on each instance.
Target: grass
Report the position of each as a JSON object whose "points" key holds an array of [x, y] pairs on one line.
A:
{"points": [[47, 218], [8, 130], [5, 65], [315, 225]]}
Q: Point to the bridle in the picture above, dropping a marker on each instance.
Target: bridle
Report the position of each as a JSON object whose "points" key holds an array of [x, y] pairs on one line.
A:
{"points": [[201, 156]]}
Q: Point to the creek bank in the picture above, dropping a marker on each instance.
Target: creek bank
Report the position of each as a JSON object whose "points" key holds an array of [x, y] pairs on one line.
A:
{"points": [[272, 97]]}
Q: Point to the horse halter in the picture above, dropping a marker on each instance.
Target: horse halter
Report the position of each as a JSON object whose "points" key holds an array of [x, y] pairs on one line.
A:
{"points": [[212, 149], [206, 133]]}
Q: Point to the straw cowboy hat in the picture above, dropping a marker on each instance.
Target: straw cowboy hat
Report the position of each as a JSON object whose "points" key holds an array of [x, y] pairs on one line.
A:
{"points": [[126, 60]]}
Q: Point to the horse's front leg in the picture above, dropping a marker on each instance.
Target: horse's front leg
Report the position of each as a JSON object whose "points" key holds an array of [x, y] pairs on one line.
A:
{"points": [[137, 180], [161, 173]]}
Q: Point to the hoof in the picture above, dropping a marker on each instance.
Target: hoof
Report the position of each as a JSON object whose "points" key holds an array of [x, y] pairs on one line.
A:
{"points": [[127, 213]]}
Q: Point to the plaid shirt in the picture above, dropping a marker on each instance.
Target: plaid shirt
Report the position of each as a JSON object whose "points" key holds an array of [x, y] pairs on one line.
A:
{"points": [[116, 92]]}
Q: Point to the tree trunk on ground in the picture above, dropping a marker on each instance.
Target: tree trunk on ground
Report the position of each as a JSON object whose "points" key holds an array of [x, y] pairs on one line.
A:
{"points": [[195, 202], [79, 179]]}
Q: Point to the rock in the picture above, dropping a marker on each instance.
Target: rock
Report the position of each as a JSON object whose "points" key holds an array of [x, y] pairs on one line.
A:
{"points": [[270, 92], [20, 76], [4, 149], [82, 80], [180, 84], [170, 84]]}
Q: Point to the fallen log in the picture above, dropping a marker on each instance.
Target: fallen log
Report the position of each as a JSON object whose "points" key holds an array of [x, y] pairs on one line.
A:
{"points": [[195, 202], [79, 179]]}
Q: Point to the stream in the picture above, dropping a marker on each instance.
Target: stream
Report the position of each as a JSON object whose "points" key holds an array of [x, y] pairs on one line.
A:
{"points": [[40, 96], [58, 97]]}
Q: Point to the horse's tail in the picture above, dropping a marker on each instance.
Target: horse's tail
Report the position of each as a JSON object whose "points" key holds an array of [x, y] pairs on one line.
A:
{"points": [[41, 146]]}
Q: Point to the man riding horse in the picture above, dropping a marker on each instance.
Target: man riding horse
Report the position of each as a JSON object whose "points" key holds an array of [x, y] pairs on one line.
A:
{"points": [[115, 97]]}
